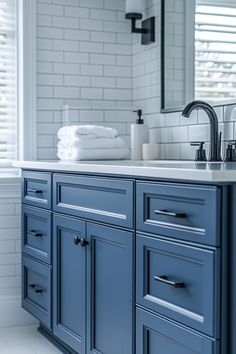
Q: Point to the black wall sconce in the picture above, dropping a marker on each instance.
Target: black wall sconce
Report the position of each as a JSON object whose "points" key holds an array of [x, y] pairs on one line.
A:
{"points": [[134, 13]]}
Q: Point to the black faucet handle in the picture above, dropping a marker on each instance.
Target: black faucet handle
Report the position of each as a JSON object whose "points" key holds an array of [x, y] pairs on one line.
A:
{"points": [[231, 143], [200, 152], [230, 152]]}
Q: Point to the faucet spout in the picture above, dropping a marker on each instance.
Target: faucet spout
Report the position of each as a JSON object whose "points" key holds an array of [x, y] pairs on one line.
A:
{"points": [[215, 141]]}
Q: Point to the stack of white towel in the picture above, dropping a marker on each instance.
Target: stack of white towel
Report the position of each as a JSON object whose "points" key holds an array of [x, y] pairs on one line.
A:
{"points": [[90, 142]]}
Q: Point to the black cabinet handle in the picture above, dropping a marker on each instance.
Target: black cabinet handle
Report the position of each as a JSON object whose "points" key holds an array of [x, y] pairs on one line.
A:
{"points": [[35, 191], [169, 213], [35, 233], [80, 241], [164, 279], [35, 288], [83, 242], [77, 240]]}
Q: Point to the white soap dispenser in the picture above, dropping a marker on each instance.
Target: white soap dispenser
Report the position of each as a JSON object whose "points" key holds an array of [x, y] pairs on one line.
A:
{"points": [[139, 136]]}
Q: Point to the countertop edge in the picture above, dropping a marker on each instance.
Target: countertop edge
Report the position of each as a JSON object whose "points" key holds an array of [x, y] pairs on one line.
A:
{"points": [[185, 174]]}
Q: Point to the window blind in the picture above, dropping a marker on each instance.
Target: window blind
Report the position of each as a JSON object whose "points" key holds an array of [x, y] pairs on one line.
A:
{"points": [[215, 51], [8, 82]]}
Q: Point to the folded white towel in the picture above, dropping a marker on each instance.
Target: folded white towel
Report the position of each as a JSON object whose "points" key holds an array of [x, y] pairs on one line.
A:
{"points": [[70, 132], [95, 143], [93, 154]]}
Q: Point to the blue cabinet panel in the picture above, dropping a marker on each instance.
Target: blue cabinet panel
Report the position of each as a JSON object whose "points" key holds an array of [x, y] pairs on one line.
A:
{"points": [[110, 290], [36, 233], [180, 282], [36, 290], [155, 335], [36, 188], [190, 213], [100, 199], [69, 274]]}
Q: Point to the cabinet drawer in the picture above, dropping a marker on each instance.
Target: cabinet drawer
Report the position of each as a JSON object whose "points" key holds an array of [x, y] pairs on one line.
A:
{"points": [[36, 189], [180, 282], [157, 335], [36, 233], [101, 199], [190, 213], [36, 288]]}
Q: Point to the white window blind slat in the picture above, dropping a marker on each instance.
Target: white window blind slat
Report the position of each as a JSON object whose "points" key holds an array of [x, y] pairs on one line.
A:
{"points": [[215, 51], [8, 81]]}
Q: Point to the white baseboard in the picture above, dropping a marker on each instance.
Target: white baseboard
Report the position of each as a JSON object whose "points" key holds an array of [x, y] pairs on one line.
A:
{"points": [[12, 314]]}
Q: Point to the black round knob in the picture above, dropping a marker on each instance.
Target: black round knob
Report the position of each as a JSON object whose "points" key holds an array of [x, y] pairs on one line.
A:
{"points": [[77, 240], [83, 242]]}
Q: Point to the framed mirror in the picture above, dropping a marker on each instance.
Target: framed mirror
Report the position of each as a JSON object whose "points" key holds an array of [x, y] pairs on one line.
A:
{"points": [[198, 52]]}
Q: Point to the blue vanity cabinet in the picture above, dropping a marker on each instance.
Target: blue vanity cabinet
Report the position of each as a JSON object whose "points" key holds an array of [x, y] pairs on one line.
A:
{"points": [[126, 266], [109, 290], [69, 273]]}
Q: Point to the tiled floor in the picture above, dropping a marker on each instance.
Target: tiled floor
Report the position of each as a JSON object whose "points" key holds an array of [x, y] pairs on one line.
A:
{"points": [[24, 340]]}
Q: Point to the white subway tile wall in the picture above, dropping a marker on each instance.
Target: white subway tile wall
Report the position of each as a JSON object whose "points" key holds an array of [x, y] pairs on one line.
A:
{"points": [[11, 313], [86, 55], [172, 131], [10, 248]]}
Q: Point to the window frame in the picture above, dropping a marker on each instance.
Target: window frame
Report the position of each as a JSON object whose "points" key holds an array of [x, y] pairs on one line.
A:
{"points": [[26, 89]]}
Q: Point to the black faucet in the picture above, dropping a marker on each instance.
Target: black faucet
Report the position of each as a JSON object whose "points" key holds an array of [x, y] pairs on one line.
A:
{"points": [[215, 138]]}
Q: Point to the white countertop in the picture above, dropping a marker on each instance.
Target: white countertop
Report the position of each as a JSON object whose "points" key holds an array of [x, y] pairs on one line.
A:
{"points": [[179, 170]]}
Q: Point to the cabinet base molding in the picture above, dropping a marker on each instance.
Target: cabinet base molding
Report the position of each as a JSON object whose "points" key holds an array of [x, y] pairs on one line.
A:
{"points": [[55, 341]]}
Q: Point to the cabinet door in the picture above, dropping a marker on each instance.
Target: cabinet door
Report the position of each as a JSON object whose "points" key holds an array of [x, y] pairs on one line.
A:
{"points": [[110, 290], [69, 282]]}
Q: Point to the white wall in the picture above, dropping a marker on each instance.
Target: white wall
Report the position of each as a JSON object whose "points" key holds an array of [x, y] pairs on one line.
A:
{"points": [[84, 57]]}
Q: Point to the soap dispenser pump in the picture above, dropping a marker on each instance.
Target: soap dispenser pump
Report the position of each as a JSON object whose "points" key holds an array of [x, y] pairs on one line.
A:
{"points": [[139, 136]]}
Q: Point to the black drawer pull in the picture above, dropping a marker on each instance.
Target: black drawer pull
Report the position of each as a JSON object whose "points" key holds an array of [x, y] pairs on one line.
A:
{"points": [[169, 213], [35, 191], [35, 288], [164, 279], [35, 233]]}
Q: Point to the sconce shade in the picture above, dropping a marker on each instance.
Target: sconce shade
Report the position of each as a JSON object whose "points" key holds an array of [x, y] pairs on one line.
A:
{"points": [[134, 6]]}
